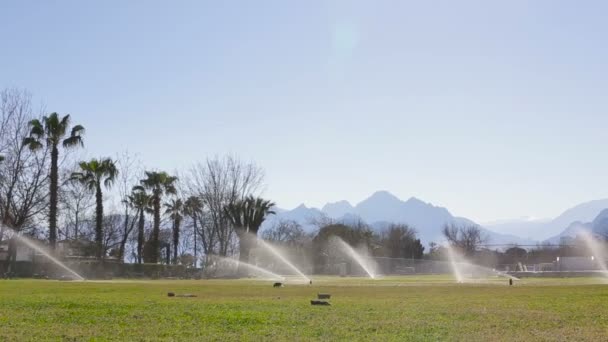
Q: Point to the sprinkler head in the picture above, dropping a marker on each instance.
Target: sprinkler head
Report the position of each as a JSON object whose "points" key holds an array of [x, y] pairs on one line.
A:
{"points": [[319, 302]]}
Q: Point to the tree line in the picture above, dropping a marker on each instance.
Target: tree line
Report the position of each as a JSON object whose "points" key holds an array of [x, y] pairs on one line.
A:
{"points": [[46, 194], [114, 207]]}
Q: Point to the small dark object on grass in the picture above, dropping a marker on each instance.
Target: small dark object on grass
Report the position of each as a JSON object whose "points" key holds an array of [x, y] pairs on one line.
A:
{"points": [[171, 294], [323, 296], [277, 285], [310, 282], [319, 302], [510, 281]]}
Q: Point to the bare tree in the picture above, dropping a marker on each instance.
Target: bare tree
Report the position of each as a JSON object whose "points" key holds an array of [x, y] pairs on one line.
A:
{"points": [[399, 241], [321, 221], [466, 238], [76, 203], [23, 173], [112, 226], [219, 182], [130, 173], [288, 232], [112, 235]]}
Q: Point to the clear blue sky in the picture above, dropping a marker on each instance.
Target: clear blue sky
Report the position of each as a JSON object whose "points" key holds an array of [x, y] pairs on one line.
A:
{"points": [[491, 110]]}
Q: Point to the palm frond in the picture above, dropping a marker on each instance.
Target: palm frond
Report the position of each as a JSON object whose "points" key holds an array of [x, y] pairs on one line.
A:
{"points": [[33, 143], [76, 176], [73, 141], [36, 129], [78, 130], [109, 171], [64, 123], [138, 188]]}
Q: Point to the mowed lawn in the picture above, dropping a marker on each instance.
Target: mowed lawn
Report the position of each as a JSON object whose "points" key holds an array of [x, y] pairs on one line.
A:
{"points": [[392, 309]]}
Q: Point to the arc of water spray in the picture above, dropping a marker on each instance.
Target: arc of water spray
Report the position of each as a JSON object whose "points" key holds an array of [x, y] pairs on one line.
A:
{"points": [[455, 267], [42, 251], [357, 257], [283, 259], [255, 268], [597, 251]]}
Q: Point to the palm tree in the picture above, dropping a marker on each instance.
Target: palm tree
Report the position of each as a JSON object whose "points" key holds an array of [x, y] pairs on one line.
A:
{"points": [[247, 216], [175, 210], [192, 208], [140, 200], [50, 132], [92, 175], [159, 183]]}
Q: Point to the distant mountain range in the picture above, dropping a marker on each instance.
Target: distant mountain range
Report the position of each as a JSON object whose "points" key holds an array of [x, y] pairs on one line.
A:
{"points": [[541, 230], [383, 208], [599, 226]]}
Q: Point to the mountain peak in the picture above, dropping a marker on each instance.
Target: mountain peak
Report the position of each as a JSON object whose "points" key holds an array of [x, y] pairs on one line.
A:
{"points": [[414, 200], [342, 203], [338, 209], [600, 223], [383, 195], [301, 207]]}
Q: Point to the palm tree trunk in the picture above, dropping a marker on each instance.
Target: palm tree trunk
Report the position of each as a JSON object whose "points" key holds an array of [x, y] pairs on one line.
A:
{"points": [[123, 242], [140, 237], [99, 222], [195, 232], [176, 224], [244, 249], [168, 254], [76, 223], [54, 188], [125, 238], [155, 230], [253, 239]]}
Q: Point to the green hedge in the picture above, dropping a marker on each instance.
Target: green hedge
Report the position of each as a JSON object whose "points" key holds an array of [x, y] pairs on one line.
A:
{"points": [[103, 270]]}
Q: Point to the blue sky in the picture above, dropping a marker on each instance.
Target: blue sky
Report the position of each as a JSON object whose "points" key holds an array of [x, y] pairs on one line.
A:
{"points": [[491, 110]]}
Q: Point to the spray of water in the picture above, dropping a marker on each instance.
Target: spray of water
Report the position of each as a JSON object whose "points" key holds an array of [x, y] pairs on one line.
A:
{"points": [[33, 245], [456, 270], [461, 267], [253, 269], [594, 246], [366, 264], [282, 258]]}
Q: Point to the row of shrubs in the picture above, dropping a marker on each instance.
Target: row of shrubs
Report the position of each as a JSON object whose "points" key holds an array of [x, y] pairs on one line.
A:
{"points": [[100, 270]]}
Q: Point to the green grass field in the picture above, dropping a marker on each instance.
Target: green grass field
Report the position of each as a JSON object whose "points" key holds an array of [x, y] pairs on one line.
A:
{"points": [[391, 309]]}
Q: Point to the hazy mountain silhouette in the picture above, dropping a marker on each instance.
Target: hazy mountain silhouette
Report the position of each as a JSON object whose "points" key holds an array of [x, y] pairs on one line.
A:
{"points": [[383, 208], [338, 209], [571, 231], [598, 226], [600, 223], [542, 229]]}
